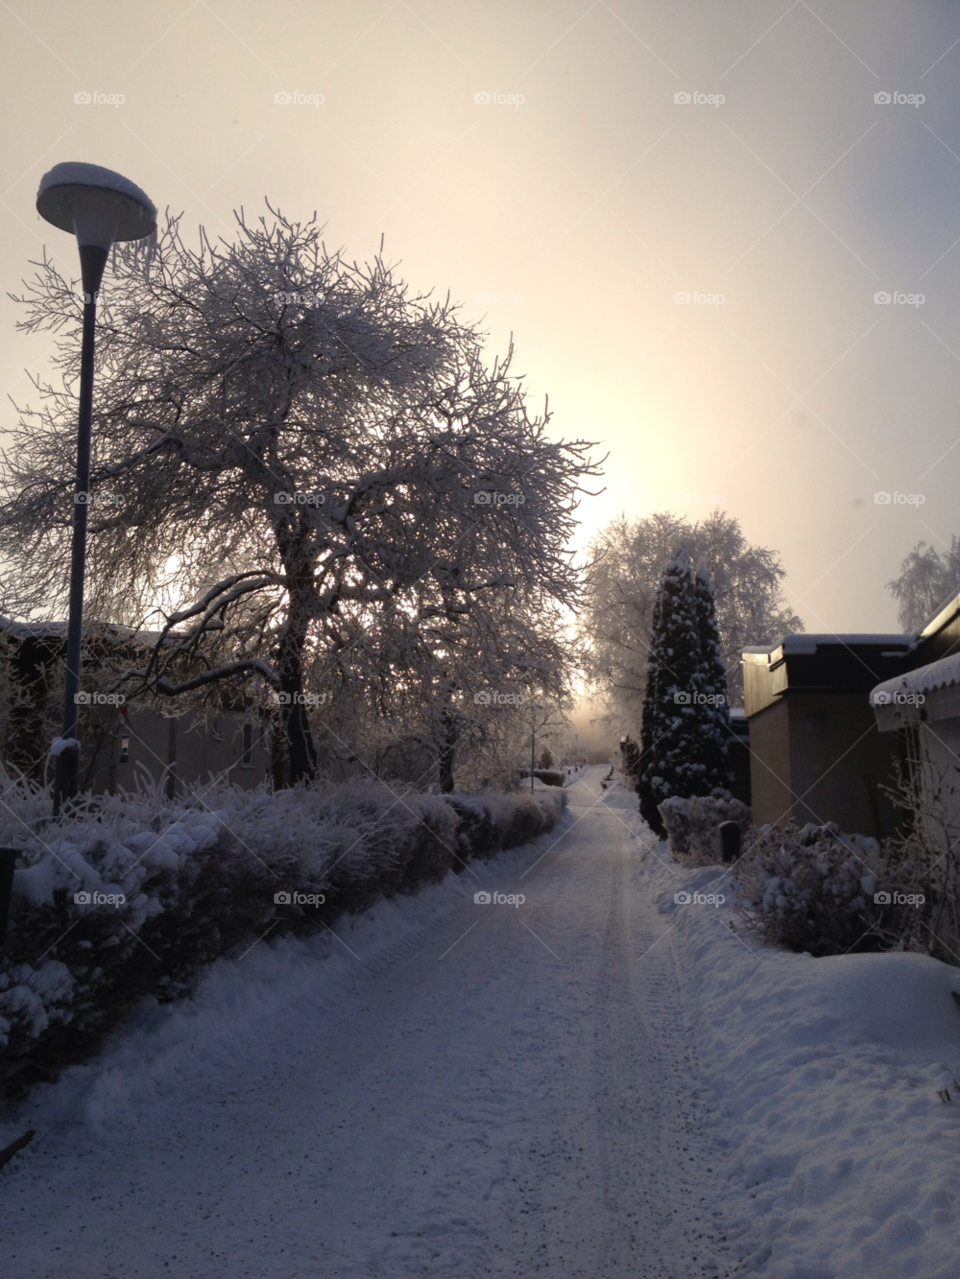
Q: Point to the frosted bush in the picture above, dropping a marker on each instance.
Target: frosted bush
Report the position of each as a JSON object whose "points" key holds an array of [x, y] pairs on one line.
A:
{"points": [[814, 890], [692, 825], [185, 885]]}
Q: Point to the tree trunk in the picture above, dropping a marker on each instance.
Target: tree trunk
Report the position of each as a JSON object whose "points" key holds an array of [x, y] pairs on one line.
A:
{"points": [[448, 752], [278, 752], [301, 750]]}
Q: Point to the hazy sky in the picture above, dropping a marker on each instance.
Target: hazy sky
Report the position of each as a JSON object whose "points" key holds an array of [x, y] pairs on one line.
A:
{"points": [[582, 197]]}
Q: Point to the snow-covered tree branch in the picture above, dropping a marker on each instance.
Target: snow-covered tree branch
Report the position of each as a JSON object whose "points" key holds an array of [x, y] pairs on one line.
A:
{"points": [[288, 450]]}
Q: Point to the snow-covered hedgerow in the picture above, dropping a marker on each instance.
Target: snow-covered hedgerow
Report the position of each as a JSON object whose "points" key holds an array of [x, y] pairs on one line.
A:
{"points": [[820, 891], [137, 894], [693, 825]]}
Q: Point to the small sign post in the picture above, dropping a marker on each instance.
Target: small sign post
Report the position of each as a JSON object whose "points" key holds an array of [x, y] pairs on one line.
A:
{"points": [[8, 858]]}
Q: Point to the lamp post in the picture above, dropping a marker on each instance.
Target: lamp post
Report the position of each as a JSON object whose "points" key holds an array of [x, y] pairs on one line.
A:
{"points": [[98, 206]]}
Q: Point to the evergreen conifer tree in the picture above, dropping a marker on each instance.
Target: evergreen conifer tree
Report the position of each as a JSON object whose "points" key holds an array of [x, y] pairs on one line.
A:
{"points": [[631, 758], [713, 709], [670, 727]]}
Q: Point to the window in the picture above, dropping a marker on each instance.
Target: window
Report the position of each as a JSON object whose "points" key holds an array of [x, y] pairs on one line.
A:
{"points": [[246, 750], [124, 750]]}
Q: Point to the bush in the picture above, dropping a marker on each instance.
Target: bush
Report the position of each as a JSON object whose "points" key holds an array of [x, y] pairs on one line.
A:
{"points": [[813, 890], [692, 825], [199, 884], [549, 776]]}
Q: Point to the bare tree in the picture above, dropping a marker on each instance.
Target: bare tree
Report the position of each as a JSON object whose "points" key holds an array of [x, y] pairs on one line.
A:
{"points": [[287, 447]]}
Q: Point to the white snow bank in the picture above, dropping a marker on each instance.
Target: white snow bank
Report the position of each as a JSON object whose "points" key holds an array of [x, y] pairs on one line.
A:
{"points": [[827, 1073], [898, 1001]]}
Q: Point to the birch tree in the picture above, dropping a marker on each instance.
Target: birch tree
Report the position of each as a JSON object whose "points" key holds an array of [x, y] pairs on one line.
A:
{"points": [[617, 613]]}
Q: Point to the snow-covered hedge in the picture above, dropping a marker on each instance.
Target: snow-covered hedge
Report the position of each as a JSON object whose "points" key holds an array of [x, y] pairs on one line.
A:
{"points": [[693, 825], [135, 897], [816, 890]]}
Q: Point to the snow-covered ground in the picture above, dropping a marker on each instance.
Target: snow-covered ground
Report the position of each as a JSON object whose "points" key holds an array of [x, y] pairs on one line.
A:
{"points": [[595, 1082], [826, 1073]]}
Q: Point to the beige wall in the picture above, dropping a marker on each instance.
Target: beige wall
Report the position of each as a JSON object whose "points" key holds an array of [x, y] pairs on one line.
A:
{"points": [[820, 757], [770, 765]]}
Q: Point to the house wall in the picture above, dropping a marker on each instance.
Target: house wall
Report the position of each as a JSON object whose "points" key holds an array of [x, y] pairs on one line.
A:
{"points": [[940, 753], [770, 764], [820, 757], [185, 759], [839, 762]]}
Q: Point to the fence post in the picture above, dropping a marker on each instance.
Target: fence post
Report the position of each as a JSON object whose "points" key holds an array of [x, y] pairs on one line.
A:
{"points": [[729, 841], [8, 857]]}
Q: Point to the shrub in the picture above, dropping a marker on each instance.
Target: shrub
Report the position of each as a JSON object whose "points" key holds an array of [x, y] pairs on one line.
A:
{"points": [[549, 776], [199, 884], [692, 825], [813, 890]]}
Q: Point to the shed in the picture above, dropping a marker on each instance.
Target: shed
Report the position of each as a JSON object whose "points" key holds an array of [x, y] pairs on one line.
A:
{"points": [[817, 753]]}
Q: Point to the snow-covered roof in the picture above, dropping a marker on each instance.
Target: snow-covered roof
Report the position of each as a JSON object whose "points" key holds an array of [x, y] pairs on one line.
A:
{"points": [[925, 679], [797, 645], [944, 614], [806, 644], [58, 630]]}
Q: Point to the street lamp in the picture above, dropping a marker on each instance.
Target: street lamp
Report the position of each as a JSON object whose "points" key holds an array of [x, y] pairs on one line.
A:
{"points": [[98, 206]]}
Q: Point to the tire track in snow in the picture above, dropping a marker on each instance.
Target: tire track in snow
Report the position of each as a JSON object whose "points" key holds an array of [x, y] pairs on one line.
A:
{"points": [[478, 1101]]}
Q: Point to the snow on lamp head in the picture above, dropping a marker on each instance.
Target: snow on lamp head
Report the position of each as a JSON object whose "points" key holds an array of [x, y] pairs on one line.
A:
{"points": [[98, 206]]}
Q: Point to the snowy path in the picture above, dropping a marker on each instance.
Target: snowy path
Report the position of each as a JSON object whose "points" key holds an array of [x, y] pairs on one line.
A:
{"points": [[507, 1091]]}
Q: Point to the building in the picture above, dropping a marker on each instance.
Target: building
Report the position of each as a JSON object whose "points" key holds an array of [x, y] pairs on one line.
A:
{"points": [[121, 744], [920, 709], [817, 753], [738, 755]]}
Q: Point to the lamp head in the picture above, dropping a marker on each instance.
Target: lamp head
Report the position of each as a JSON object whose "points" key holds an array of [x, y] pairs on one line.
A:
{"points": [[96, 204], [99, 207]]}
